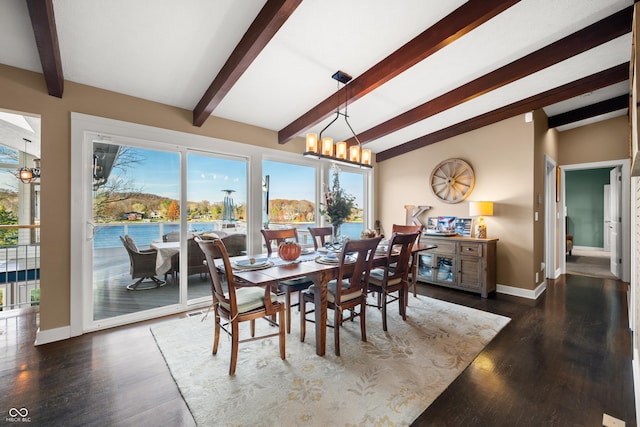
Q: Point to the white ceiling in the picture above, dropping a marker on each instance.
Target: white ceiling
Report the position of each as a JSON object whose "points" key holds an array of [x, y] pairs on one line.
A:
{"points": [[170, 51]]}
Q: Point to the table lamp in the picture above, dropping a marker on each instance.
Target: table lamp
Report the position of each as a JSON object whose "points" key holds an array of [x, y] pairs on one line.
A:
{"points": [[480, 209]]}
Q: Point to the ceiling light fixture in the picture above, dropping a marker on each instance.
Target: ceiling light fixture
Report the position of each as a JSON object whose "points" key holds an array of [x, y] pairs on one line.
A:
{"points": [[323, 148], [25, 174]]}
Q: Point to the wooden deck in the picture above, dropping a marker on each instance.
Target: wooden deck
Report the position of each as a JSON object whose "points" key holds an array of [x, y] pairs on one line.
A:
{"points": [[112, 298]]}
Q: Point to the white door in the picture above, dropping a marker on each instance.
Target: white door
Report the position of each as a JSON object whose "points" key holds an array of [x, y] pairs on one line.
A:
{"points": [[614, 224], [607, 218]]}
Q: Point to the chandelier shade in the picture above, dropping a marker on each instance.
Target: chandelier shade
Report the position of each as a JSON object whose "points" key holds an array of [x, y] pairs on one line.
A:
{"points": [[321, 147]]}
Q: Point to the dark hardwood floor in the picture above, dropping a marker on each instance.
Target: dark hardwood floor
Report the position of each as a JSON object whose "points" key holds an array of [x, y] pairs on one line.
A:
{"points": [[562, 361]]}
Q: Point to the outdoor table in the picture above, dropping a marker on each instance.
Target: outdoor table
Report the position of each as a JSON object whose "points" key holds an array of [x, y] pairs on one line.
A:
{"points": [[166, 250]]}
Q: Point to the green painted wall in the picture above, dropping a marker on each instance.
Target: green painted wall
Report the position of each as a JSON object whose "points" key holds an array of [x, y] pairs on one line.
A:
{"points": [[584, 192]]}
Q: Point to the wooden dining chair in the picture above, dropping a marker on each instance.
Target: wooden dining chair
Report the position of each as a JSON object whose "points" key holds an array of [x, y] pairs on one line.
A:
{"points": [[394, 277], [239, 303], [397, 228], [292, 285], [319, 235], [348, 290]]}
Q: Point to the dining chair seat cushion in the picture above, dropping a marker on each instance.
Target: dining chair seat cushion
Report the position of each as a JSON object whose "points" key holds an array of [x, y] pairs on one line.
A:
{"points": [[376, 277], [331, 291], [249, 298], [298, 284]]}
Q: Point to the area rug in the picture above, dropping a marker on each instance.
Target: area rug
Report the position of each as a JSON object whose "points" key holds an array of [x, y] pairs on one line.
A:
{"points": [[388, 380]]}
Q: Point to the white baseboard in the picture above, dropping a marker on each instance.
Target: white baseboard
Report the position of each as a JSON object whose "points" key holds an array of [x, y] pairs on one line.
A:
{"points": [[522, 293], [52, 335], [588, 248]]}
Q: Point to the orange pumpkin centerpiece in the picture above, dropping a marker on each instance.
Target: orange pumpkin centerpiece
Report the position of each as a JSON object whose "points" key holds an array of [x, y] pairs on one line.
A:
{"points": [[289, 251]]}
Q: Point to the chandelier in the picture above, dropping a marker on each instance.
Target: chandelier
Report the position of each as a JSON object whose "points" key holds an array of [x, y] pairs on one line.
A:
{"points": [[323, 147], [25, 174]]}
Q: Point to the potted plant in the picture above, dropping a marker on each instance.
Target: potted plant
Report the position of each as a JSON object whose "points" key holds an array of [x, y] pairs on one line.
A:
{"points": [[338, 204]]}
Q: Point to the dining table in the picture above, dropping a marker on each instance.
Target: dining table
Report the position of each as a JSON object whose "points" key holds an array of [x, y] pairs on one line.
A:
{"points": [[272, 269]]}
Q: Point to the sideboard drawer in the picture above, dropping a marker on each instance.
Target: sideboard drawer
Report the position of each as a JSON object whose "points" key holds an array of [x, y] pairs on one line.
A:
{"points": [[445, 247], [471, 248]]}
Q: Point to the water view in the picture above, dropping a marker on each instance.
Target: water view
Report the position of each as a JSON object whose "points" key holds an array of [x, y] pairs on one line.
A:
{"points": [[143, 233]]}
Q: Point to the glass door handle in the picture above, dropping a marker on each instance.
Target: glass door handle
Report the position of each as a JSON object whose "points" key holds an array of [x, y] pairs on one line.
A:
{"points": [[91, 231]]}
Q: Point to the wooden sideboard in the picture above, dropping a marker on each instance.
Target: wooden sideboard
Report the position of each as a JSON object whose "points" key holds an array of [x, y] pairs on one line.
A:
{"points": [[457, 262]]}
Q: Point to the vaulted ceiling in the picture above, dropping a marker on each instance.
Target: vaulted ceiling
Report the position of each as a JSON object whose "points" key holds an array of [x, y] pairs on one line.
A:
{"points": [[423, 70]]}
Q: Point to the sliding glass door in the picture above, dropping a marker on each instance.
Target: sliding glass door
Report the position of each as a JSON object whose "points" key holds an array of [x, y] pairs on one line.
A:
{"points": [[143, 194], [216, 206], [142, 226], [136, 192]]}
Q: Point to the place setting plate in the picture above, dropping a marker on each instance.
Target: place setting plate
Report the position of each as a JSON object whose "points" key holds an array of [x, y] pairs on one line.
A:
{"points": [[252, 264], [332, 259]]}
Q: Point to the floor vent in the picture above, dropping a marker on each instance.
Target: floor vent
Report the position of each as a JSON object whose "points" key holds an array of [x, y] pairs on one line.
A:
{"points": [[197, 313]]}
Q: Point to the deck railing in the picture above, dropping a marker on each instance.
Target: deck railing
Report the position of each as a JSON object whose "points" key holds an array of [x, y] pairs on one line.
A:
{"points": [[20, 268]]}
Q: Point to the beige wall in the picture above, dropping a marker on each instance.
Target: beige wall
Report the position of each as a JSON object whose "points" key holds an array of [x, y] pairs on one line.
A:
{"points": [[501, 156], [26, 92], [542, 146], [602, 141]]}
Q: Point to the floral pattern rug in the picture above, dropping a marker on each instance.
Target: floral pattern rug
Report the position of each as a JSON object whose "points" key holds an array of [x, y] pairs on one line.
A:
{"points": [[388, 380]]}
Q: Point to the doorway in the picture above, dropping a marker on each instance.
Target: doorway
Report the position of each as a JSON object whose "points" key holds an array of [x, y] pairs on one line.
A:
{"points": [[584, 207], [19, 210]]}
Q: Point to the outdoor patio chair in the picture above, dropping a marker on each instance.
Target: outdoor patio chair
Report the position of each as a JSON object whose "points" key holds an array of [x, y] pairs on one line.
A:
{"points": [[236, 244], [195, 260], [142, 264]]}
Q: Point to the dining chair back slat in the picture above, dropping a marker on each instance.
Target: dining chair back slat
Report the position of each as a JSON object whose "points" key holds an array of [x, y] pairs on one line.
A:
{"points": [[319, 235], [355, 277], [275, 237], [213, 251], [397, 228]]}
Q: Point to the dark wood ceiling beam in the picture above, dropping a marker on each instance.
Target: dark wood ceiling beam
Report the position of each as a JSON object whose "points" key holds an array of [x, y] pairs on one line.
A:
{"points": [[603, 107], [43, 22], [587, 84], [272, 16], [594, 35], [455, 25]]}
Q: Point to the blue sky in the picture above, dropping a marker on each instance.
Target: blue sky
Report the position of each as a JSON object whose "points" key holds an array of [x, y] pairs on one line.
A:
{"points": [[157, 172]]}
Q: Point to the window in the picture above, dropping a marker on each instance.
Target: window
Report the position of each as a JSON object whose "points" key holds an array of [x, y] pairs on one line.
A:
{"points": [[354, 185], [289, 196]]}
